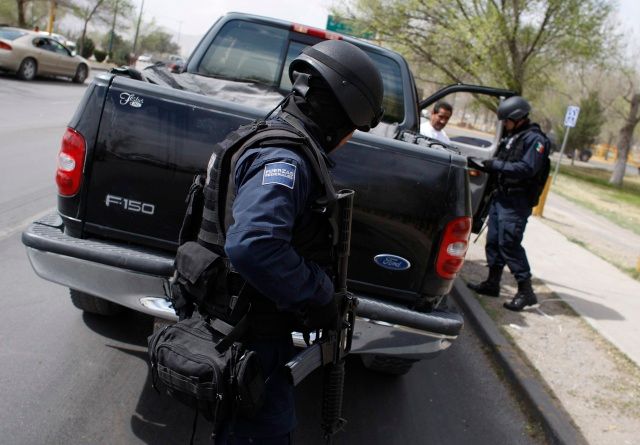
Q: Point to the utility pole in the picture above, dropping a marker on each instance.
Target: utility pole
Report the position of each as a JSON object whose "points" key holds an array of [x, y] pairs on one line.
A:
{"points": [[113, 28], [52, 16], [135, 39]]}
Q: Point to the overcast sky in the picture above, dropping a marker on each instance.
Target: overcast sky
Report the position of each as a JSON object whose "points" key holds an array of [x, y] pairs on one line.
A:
{"points": [[190, 19]]}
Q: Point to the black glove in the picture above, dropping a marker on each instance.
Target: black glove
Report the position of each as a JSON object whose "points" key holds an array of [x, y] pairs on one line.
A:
{"points": [[476, 163], [488, 165], [484, 165], [316, 316]]}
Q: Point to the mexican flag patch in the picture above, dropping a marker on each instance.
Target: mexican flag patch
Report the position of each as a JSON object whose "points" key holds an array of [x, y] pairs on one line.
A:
{"points": [[540, 148]]}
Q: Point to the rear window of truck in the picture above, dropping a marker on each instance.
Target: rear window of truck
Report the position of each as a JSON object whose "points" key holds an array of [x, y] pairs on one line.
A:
{"points": [[254, 52]]}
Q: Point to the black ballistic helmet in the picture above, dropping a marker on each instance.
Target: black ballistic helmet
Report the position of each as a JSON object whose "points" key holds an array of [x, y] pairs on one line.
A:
{"points": [[513, 108], [351, 75]]}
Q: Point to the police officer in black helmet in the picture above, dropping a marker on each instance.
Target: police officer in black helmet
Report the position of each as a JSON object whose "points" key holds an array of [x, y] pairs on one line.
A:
{"points": [[521, 161], [279, 242]]}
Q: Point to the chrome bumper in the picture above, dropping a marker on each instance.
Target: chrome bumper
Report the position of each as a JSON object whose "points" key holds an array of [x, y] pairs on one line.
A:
{"points": [[138, 279]]}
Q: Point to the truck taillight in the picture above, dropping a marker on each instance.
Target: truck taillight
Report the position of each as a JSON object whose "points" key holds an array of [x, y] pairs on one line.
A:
{"points": [[6, 46], [315, 32], [453, 247], [70, 162]]}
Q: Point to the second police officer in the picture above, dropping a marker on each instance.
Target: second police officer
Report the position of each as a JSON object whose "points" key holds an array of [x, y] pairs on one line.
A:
{"points": [[278, 241], [521, 166]]}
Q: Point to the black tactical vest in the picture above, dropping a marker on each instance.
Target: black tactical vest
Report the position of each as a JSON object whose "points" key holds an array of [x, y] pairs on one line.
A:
{"points": [[313, 235], [512, 150]]}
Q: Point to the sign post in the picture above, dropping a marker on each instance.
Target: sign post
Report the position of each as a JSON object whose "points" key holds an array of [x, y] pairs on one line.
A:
{"points": [[570, 120]]}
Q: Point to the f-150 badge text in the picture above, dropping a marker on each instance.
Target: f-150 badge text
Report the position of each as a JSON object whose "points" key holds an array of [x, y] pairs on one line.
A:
{"points": [[131, 99], [130, 204]]}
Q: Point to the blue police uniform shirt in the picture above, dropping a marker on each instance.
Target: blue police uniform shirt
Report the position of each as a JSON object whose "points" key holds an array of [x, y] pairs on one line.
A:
{"points": [[535, 147], [274, 190]]}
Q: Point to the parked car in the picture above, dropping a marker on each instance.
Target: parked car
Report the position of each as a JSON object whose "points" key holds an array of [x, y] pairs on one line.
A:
{"points": [[176, 64], [29, 53], [583, 154]]}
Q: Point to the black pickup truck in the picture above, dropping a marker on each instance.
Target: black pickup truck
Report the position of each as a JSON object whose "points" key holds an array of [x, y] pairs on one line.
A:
{"points": [[135, 143]]}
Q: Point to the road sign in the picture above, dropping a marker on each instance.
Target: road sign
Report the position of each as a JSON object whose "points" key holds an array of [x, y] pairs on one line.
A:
{"points": [[571, 117], [335, 24]]}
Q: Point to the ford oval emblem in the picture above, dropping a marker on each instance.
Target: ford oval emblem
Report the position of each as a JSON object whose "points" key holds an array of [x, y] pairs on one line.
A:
{"points": [[392, 262]]}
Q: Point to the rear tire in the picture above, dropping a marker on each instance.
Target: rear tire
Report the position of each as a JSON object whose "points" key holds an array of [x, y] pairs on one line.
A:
{"points": [[94, 305], [386, 364], [28, 69], [81, 74]]}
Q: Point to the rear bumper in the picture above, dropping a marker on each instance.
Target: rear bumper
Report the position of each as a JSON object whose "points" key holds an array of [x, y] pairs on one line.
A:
{"points": [[137, 278]]}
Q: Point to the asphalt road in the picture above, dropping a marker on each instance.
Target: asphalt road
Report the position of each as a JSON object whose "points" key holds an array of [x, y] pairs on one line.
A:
{"points": [[71, 378]]}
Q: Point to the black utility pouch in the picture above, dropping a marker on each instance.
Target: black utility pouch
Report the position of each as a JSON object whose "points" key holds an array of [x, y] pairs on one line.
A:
{"points": [[187, 366], [193, 363], [200, 276], [249, 384]]}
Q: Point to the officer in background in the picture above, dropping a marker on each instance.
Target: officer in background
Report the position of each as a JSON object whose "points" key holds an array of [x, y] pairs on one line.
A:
{"points": [[280, 241], [519, 163]]}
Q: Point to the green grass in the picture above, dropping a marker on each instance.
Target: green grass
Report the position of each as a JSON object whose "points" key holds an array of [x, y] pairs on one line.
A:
{"points": [[629, 192], [621, 205]]}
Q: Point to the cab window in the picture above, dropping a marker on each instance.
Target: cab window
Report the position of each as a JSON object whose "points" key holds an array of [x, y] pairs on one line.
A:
{"points": [[245, 51], [253, 52]]}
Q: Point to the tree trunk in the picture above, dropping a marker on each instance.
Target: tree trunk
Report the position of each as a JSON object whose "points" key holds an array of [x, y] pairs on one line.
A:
{"points": [[624, 141], [84, 34], [22, 21]]}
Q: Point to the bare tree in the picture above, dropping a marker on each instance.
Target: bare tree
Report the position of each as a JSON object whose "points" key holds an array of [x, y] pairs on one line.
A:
{"points": [[22, 6], [625, 136]]}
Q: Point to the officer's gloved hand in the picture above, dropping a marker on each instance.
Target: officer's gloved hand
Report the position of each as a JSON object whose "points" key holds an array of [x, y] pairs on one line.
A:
{"points": [[489, 165], [316, 316], [476, 164]]}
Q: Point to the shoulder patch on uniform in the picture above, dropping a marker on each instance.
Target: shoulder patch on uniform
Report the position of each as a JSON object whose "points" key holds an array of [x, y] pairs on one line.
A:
{"points": [[281, 173], [540, 147]]}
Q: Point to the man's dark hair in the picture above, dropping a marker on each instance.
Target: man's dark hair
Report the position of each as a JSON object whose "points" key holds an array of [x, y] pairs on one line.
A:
{"points": [[442, 104]]}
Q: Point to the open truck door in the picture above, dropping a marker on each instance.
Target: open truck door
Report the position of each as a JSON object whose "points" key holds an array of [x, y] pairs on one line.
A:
{"points": [[474, 131]]}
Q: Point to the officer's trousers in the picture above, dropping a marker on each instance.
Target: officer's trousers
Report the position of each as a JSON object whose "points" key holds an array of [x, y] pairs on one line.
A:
{"points": [[507, 220], [275, 421]]}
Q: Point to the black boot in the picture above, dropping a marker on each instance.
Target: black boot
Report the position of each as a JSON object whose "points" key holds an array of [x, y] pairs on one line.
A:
{"points": [[524, 297], [490, 286]]}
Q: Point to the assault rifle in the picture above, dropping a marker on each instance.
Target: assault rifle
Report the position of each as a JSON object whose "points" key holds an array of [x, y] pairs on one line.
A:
{"points": [[332, 346]]}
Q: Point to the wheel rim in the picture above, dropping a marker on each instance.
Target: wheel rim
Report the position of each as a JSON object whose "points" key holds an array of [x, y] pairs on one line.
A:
{"points": [[82, 74], [29, 69]]}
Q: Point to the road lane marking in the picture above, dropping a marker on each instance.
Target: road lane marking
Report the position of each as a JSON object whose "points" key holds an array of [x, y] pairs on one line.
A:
{"points": [[9, 231]]}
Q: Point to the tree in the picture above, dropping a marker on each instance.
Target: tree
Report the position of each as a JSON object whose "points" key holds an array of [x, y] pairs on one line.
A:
{"points": [[96, 10], [588, 126], [625, 137], [158, 41], [120, 48], [24, 13], [86, 11], [511, 44]]}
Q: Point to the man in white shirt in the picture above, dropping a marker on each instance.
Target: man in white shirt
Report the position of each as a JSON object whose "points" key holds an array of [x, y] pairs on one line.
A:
{"points": [[434, 127]]}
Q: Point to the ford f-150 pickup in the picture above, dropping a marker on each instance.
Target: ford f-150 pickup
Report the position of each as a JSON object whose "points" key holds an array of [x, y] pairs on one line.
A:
{"points": [[131, 150]]}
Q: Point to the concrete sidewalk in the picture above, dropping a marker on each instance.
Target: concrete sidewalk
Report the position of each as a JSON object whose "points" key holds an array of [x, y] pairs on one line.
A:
{"points": [[605, 297], [573, 343]]}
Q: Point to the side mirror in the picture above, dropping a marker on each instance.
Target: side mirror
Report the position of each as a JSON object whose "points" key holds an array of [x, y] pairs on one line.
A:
{"points": [[74, 53]]}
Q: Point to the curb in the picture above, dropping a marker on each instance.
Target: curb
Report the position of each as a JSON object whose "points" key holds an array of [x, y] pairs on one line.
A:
{"points": [[556, 422]]}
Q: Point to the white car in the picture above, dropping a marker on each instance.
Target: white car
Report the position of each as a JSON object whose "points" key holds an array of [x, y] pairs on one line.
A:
{"points": [[29, 53]]}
